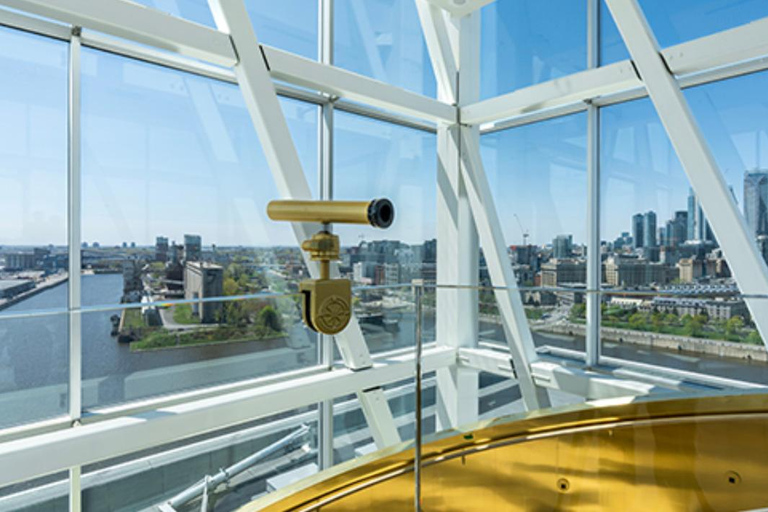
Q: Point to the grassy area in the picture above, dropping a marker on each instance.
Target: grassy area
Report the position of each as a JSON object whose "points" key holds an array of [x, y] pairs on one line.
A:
{"points": [[162, 338], [182, 314], [132, 319], [534, 313], [697, 326]]}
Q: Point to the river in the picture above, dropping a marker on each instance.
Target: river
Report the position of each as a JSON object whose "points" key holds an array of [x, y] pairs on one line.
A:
{"points": [[34, 356]]}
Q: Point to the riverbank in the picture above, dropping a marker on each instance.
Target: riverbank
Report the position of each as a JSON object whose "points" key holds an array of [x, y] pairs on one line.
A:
{"points": [[665, 341], [46, 285]]}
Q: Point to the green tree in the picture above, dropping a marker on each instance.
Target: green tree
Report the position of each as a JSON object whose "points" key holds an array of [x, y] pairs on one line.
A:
{"points": [[637, 321], [734, 325], [754, 338], [657, 320], [692, 325], [269, 319]]}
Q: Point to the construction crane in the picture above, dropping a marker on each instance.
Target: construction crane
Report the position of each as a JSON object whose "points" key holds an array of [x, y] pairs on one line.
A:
{"points": [[524, 231]]}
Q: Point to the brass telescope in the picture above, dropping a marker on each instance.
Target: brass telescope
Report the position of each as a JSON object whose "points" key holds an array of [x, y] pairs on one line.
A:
{"points": [[379, 213], [327, 302]]}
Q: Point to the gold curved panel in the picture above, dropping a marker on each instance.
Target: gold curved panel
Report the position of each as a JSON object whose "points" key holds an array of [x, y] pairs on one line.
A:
{"points": [[702, 453]]}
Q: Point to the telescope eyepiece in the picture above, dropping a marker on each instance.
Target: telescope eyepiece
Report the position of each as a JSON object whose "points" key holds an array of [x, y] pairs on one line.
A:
{"points": [[381, 213]]}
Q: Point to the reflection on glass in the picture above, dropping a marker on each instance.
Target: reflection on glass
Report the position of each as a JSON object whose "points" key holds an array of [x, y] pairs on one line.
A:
{"points": [[149, 479], [378, 159], [383, 39], [679, 21], [289, 25], [526, 42], [166, 348], [173, 173], [33, 233], [352, 437]]}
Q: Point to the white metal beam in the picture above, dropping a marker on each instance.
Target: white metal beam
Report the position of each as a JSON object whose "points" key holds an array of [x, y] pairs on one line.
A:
{"points": [[454, 45], [159, 30], [594, 263], [442, 55], [27, 458], [459, 8], [587, 384], [137, 23], [283, 159], [338, 82], [557, 93], [510, 304], [728, 225]]}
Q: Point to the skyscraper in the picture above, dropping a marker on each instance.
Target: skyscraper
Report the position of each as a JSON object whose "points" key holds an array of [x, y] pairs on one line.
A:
{"points": [[562, 246], [698, 226], [677, 229], [756, 202], [637, 230], [649, 229]]}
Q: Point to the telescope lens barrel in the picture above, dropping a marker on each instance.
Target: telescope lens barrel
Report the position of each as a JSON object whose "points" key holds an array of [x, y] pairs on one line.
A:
{"points": [[381, 213], [378, 213]]}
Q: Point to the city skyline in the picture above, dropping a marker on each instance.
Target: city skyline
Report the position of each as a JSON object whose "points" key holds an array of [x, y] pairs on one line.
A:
{"points": [[166, 152]]}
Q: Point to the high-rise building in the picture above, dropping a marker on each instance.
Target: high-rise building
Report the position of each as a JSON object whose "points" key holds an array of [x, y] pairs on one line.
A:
{"points": [[638, 230], [193, 248], [676, 230], [161, 249], [756, 202], [649, 229], [562, 246], [698, 226]]}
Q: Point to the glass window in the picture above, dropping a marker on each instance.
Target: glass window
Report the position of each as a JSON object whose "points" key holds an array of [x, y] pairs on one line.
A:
{"points": [[526, 42], [537, 173], [657, 238], [680, 21], [147, 480], [175, 188], [34, 351], [378, 159], [172, 172], [383, 39], [290, 25]]}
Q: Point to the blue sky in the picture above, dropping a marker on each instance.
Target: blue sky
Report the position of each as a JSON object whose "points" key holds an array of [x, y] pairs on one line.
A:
{"points": [[165, 153]]}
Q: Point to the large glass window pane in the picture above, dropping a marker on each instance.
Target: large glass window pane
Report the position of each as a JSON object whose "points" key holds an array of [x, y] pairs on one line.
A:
{"points": [[175, 188], [383, 39], [148, 479], [525, 42], [658, 239], [538, 175], [378, 159], [680, 21], [290, 25], [173, 172], [33, 233]]}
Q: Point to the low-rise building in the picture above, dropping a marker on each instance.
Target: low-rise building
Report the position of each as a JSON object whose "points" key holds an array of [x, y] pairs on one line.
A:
{"points": [[204, 280], [558, 271]]}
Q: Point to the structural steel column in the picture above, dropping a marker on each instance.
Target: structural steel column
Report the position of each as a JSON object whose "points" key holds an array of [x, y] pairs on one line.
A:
{"points": [[728, 225], [74, 232], [267, 116], [452, 41], [594, 264], [454, 45], [325, 186]]}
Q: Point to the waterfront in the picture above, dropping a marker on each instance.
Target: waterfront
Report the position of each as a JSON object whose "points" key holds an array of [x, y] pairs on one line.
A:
{"points": [[34, 356]]}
